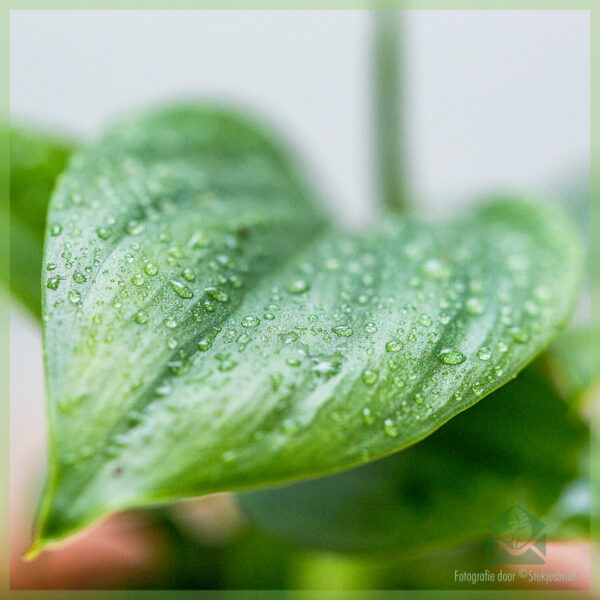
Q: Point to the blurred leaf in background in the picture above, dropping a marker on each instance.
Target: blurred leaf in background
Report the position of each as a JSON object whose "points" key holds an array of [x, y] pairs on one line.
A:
{"points": [[36, 160], [573, 362]]}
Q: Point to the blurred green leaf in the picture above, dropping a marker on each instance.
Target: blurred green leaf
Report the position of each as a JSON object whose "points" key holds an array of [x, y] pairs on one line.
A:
{"points": [[573, 360], [35, 162], [520, 446], [205, 331]]}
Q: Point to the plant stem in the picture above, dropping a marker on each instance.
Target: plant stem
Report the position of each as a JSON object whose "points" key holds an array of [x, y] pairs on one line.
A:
{"points": [[388, 121]]}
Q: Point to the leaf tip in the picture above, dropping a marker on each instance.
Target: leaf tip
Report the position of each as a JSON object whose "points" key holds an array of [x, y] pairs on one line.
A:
{"points": [[34, 550]]}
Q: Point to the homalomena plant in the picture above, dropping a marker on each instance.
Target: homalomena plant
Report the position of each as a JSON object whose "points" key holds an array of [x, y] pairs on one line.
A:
{"points": [[207, 329]]}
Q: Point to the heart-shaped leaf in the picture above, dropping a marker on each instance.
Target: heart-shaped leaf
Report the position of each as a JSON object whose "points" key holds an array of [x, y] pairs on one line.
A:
{"points": [[520, 446], [205, 332], [35, 162]]}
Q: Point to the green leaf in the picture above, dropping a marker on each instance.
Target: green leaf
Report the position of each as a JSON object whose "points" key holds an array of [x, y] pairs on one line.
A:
{"points": [[35, 162], [519, 446], [205, 331], [574, 362]]}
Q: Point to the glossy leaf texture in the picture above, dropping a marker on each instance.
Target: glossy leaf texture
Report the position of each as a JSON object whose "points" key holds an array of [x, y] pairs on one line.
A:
{"points": [[205, 331], [519, 446], [36, 160]]}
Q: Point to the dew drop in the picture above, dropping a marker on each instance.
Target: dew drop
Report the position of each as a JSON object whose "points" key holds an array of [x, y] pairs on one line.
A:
{"points": [[182, 290], [227, 365], [288, 337], [389, 428], [433, 268], [519, 335], [342, 330], [138, 280], [205, 344], [477, 388], [484, 353], [79, 277], [74, 297], [217, 294], [53, 282], [367, 416], [170, 322], [531, 308], [451, 356], [55, 229], [393, 346], [235, 281], [199, 240], [474, 306], [369, 376], [250, 321], [298, 286], [398, 381], [135, 227], [150, 269], [103, 233], [141, 317], [425, 320], [371, 328], [188, 274], [394, 364], [332, 264]]}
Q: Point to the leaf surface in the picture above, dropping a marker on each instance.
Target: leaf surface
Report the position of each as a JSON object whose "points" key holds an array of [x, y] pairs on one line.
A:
{"points": [[206, 330]]}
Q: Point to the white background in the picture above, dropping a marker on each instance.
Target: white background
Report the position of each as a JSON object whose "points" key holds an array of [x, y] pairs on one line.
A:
{"points": [[494, 98]]}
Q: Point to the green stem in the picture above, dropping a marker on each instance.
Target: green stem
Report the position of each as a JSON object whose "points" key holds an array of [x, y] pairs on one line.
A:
{"points": [[388, 121]]}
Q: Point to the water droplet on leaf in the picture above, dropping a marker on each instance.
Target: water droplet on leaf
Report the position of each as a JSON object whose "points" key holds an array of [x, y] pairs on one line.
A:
{"points": [[150, 269], [53, 282], [250, 321], [393, 346], [217, 294], [182, 290], [298, 286], [141, 317], [103, 233], [369, 376], [342, 330], [451, 356]]}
